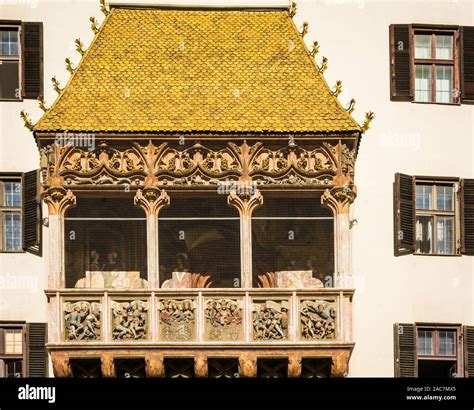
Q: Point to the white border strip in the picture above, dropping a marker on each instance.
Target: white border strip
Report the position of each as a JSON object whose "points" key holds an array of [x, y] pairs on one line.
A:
{"points": [[216, 4]]}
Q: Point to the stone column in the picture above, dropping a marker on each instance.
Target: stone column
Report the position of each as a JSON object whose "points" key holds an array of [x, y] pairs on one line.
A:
{"points": [[245, 203], [152, 200], [339, 201], [59, 200]]}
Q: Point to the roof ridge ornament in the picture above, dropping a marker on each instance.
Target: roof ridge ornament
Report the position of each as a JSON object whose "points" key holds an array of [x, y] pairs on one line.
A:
{"points": [[56, 86], [304, 30], [292, 9], [42, 103], [26, 119], [94, 25], [315, 49], [324, 65], [79, 46], [69, 66], [337, 88], [369, 117], [351, 106], [103, 8]]}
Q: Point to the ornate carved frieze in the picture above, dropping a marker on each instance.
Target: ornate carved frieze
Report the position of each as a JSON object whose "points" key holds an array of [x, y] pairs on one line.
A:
{"points": [[177, 320], [223, 319], [165, 165], [130, 320], [82, 321], [270, 320], [317, 319]]}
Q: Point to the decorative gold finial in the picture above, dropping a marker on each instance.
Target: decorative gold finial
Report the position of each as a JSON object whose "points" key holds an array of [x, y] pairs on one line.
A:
{"points": [[315, 49], [337, 88], [304, 31], [56, 85], [369, 116], [103, 7], [350, 108], [324, 65], [292, 10], [94, 25], [42, 103], [27, 120], [69, 65], [79, 46]]}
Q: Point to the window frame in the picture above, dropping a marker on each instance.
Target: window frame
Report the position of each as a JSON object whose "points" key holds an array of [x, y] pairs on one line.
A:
{"points": [[434, 62], [15, 210], [18, 27], [4, 357], [435, 213]]}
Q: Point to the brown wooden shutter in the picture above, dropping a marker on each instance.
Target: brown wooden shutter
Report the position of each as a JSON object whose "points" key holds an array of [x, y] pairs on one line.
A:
{"points": [[406, 361], [32, 59], [401, 70], [468, 340], [32, 215], [404, 214], [467, 216], [467, 64], [37, 354], [2, 341]]}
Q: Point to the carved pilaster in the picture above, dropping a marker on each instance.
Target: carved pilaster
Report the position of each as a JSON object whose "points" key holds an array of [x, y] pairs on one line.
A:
{"points": [[248, 364], [59, 200], [152, 200], [107, 364], [200, 365], [154, 364], [246, 202], [61, 364]]}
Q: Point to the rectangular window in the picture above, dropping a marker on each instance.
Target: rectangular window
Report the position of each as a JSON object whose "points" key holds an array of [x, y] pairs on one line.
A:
{"points": [[425, 342], [13, 342], [435, 218], [9, 63], [434, 67], [11, 215]]}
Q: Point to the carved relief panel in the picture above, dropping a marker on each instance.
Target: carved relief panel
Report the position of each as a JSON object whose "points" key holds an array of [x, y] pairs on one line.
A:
{"points": [[82, 321], [317, 319], [270, 319], [223, 319], [177, 320], [130, 320]]}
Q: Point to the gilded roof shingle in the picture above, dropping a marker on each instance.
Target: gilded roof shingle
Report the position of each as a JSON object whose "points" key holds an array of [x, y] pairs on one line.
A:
{"points": [[155, 70]]}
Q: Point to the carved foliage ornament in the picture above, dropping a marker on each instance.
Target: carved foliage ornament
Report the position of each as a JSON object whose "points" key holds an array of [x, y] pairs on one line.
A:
{"points": [[82, 321], [130, 320]]}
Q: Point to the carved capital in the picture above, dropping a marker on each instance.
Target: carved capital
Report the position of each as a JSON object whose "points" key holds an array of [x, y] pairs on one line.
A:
{"points": [[152, 200], [200, 364], [154, 364], [248, 364], [245, 201], [340, 363], [61, 364], [339, 199], [59, 200], [107, 364]]}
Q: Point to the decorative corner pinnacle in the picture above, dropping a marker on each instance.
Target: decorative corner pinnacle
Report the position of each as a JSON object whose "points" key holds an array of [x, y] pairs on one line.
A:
{"points": [[292, 9], [79, 46], [56, 86], [350, 108], [337, 88], [103, 8], [305, 29], [41, 103], [315, 49], [27, 120], [324, 65], [94, 25], [369, 117], [69, 66]]}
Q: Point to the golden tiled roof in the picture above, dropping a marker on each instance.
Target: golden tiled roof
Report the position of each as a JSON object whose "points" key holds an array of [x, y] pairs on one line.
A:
{"points": [[158, 70]]}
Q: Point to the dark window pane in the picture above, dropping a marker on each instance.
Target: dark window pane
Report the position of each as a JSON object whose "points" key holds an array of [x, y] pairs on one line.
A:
{"points": [[9, 80]]}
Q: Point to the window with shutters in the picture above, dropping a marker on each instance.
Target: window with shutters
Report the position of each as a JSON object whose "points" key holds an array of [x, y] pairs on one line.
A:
{"points": [[11, 214], [12, 350], [432, 63], [21, 60], [436, 218]]}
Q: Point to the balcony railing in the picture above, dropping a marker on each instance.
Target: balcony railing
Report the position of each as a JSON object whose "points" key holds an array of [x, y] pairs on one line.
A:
{"points": [[92, 317]]}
